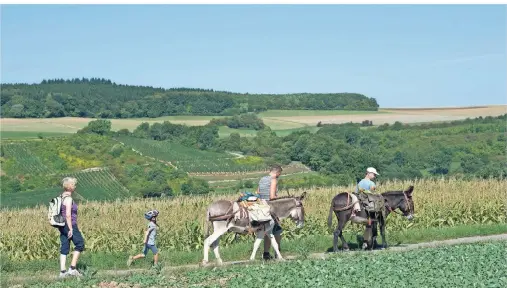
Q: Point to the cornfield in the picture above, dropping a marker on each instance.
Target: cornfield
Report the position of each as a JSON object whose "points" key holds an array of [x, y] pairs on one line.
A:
{"points": [[119, 226]]}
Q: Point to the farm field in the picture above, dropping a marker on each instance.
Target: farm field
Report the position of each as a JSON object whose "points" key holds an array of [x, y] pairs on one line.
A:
{"points": [[417, 115], [438, 204], [168, 151], [278, 120], [98, 185], [288, 171], [14, 135], [460, 261], [194, 160]]}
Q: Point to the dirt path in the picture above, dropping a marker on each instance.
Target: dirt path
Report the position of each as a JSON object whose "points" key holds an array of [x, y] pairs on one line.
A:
{"points": [[407, 247], [236, 154]]}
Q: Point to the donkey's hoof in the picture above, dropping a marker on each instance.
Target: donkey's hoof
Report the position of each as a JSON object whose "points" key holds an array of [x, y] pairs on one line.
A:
{"points": [[280, 259], [220, 262], [204, 263]]}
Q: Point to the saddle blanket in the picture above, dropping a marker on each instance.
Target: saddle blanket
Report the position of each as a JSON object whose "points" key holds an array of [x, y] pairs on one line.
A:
{"points": [[258, 211]]}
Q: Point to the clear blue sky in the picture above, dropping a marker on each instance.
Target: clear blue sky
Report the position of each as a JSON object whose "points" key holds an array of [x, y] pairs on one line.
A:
{"points": [[404, 56]]}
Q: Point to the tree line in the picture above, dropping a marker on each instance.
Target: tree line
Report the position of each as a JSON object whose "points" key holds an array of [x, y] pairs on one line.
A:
{"points": [[247, 121], [102, 98]]}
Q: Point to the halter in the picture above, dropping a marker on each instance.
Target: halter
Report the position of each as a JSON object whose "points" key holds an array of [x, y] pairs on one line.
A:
{"points": [[406, 203]]}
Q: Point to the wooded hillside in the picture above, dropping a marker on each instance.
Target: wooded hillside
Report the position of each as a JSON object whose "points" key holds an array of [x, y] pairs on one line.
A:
{"points": [[103, 98]]}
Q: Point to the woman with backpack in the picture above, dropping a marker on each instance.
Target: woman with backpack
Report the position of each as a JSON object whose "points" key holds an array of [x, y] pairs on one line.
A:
{"points": [[149, 238], [70, 231]]}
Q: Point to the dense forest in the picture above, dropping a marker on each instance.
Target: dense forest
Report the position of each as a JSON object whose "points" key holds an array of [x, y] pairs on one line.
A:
{"points": [[101, 98]]}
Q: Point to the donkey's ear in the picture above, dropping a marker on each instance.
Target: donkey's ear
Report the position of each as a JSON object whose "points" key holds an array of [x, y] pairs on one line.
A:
{"points": [[409, 191], [302, 196]]}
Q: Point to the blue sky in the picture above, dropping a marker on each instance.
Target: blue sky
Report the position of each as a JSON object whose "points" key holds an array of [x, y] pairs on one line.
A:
{"points": [[404, 56]]}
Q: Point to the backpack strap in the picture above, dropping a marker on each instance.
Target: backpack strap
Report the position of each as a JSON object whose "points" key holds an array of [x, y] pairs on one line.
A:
{"points": [[63, 198]]}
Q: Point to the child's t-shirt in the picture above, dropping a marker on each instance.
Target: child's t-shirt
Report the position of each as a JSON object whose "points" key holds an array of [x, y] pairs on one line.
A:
{"points": [[152, 233]]}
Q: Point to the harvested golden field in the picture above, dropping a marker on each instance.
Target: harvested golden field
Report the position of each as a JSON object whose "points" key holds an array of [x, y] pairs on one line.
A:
{"points": [[276, 119], [119, 226], [407, 115]]}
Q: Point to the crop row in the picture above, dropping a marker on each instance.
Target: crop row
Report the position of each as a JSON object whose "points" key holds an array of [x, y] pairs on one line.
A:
{"points": [[452, 266], [438, 203], [218, 165], [97, 185], [22, 160], [189, 159], [168, 151]]}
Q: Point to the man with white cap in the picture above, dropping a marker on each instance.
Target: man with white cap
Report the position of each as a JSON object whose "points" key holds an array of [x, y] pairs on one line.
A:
{"points": [[366, 184]]}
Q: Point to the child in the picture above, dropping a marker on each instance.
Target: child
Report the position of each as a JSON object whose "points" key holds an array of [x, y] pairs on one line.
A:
{"points": [[149, 238]]}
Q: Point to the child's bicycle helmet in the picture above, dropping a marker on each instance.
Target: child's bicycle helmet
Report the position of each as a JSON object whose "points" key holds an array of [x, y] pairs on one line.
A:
{"points": [[150, 214]]}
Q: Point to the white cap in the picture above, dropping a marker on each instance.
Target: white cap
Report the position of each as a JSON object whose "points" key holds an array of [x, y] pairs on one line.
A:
{"points": [[372, 170]]}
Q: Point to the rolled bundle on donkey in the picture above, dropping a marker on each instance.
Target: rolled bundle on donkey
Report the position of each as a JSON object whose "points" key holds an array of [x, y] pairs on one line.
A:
{"points": [[250, 214]]}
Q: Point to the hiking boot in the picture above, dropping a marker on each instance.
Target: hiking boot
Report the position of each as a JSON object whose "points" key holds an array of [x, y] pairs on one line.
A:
{"points": [[266, 256], [74, 272]]}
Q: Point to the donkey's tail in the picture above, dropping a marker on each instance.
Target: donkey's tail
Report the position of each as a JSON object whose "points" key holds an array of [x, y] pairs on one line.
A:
{"points": [[207, 226], [330, 216]]}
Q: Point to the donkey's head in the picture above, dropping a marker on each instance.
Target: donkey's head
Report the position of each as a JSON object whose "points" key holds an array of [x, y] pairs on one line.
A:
{"points": [[401, 200], [290, 206]]}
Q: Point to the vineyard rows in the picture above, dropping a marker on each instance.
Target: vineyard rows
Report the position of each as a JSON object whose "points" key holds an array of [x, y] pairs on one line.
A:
{"points": [[169, 151], [99, 185], [218, 165], [189, 159], [26, 162]]}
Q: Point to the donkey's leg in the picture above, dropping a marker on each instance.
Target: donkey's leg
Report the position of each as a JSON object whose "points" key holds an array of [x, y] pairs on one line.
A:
{"points": [[219, 228], [214, 246], [274, 244], [272, 239], [257, 243], [383, 232], [375, 232], [343, 217], [336, 233], [368, 235]]}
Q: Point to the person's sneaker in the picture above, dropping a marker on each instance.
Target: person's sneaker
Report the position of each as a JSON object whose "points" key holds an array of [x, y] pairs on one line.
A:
{"points": [[74, 272], [63, 274], [129, 262]]}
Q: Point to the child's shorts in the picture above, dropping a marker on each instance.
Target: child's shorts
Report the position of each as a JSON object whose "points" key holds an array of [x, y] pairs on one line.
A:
{"points": [[153, 249]]}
